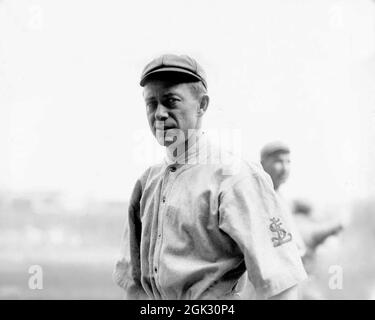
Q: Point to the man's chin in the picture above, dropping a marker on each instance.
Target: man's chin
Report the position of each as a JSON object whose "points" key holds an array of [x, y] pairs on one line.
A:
{"points": [[168, 137], [282, 180], [164, 141]]}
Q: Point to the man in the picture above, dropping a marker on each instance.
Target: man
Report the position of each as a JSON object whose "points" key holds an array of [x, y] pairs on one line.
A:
{"points": [[196, 224]]}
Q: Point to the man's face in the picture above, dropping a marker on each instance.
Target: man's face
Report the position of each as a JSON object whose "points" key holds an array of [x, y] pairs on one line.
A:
{"points": [[172, 110], [277, 166]]}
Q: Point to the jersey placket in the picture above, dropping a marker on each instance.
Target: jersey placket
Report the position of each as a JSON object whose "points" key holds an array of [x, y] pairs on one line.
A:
{"points": [[155, 288], [166, 186]]}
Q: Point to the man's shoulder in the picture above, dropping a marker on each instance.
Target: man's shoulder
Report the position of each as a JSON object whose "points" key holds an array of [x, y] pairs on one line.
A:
{"points": [[246, 172], [150, 171]]}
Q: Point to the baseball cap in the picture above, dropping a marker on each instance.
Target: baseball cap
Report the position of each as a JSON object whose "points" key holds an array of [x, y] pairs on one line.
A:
{"points": [[182, 66], [273, 147]]}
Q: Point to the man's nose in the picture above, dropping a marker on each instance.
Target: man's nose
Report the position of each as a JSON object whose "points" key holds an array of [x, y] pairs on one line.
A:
{"points": [[161, 113], [286, 166], [284, 169]]}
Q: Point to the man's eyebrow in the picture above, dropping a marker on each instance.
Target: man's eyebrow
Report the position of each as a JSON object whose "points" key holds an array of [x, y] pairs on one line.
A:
{"points": [[150, 98], [169, 94]]}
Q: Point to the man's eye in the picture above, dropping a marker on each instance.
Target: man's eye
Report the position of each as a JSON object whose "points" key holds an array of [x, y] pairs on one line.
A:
{"points": [[151, 105], [172, 100]]}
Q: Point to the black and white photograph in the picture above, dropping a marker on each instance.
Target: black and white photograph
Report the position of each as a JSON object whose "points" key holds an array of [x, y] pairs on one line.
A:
{"points": [[187, 150]]}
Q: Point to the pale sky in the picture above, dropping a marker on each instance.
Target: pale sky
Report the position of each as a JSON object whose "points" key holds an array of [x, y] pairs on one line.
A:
{"points": [[72, 117]]}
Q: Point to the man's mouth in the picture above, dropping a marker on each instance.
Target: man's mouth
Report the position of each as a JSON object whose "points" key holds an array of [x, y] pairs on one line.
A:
{"points": [[164, 128]]}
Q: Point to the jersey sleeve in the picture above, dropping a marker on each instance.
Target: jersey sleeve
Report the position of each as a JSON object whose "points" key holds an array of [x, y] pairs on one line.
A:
{"points": [[127, 271], [250, 213]]}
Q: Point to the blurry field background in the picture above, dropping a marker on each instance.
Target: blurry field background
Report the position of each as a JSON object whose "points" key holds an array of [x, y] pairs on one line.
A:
{"points": [[77, 251], [354, 251]]}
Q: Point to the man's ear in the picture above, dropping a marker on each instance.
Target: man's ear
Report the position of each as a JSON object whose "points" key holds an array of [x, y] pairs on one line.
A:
{"points": [[203, 105]]}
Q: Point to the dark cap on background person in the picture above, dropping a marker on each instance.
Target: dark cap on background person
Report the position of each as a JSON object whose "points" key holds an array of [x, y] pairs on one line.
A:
{"points": [[181, 68], [301, 206], [272, 148]]}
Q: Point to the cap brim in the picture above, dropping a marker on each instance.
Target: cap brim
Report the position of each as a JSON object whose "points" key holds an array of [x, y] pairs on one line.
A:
{"points": [[164, 72]]}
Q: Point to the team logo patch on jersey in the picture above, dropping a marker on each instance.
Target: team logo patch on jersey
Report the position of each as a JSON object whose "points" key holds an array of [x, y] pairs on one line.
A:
{"points": [[282, 236]]}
